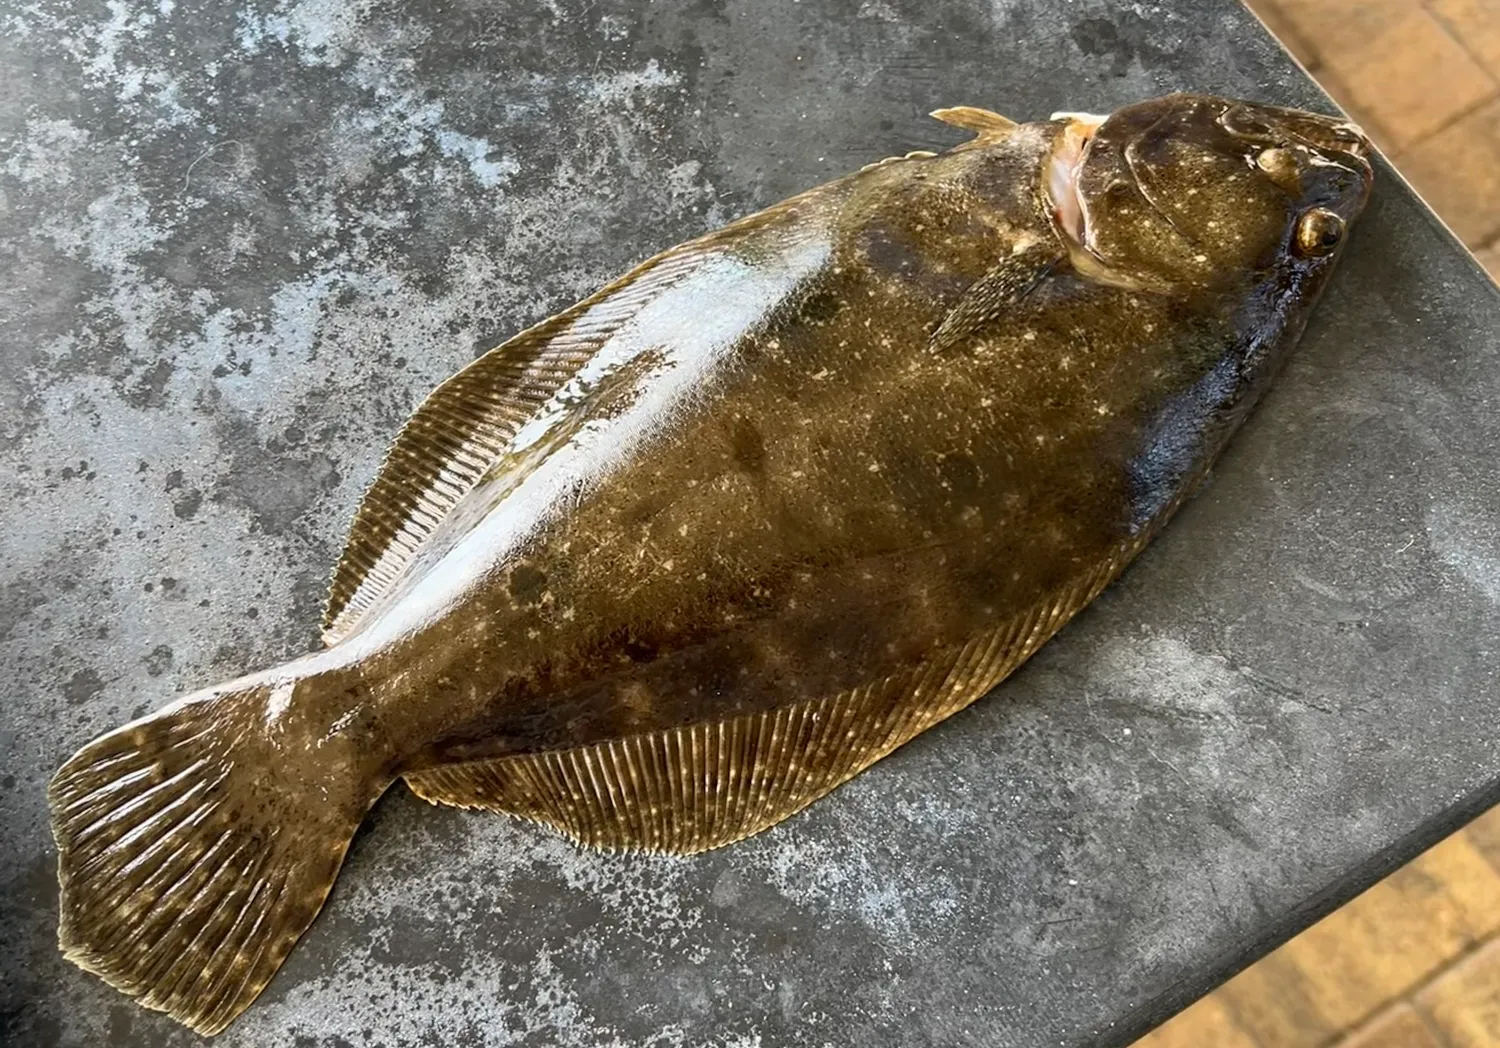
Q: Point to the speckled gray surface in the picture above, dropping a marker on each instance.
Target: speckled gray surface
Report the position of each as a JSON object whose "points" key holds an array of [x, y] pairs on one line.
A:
{"points": [[239, 243]]}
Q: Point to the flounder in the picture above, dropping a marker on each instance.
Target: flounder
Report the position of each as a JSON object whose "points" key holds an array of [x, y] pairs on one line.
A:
{"points": [[671, 565]]}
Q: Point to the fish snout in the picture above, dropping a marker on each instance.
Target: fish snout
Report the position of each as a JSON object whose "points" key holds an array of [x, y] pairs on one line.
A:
{"points": [[1335, 139], [1320, 161]]}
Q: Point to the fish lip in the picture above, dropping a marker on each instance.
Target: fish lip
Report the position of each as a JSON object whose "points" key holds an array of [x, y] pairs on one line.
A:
{"points": [[1327, 135], [1361, 146], [1335, 143], [1338, 150], [1345, 137]]}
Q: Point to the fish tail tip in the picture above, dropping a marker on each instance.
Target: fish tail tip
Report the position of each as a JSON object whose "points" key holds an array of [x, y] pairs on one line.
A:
{"points": [[186, 869]]}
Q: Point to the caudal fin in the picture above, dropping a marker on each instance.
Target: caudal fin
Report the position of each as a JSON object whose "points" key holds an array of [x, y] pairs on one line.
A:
{"points": [[192, 855]]}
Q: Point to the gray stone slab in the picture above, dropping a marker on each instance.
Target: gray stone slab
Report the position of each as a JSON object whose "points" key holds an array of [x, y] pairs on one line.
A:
{"points": [[240, 241]]}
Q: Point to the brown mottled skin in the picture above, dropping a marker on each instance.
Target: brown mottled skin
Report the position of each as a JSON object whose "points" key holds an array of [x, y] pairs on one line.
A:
{"points": [[843, 500], [949, 404]]}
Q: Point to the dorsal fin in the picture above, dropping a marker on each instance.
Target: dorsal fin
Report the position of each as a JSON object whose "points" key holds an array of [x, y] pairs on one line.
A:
{"points": [[915, 154], [464, 428], [982, 122]]}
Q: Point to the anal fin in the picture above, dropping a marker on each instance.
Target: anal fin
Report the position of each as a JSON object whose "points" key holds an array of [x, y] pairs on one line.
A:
{"points": [[709, 784]]}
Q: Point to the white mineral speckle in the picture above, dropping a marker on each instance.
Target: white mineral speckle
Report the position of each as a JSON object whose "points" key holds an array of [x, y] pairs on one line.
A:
{"points": [[1468, 542]]}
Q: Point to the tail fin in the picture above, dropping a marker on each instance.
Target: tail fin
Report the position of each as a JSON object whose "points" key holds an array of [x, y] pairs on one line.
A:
{"points": [[194, 850]]}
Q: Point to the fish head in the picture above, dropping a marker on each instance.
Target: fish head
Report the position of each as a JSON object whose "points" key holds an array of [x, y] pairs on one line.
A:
{"points": [[1190, 192]]}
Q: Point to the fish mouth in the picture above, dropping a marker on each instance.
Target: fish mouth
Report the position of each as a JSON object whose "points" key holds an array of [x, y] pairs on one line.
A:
{"points": [[1344, 137], [1322, 141], [1341, 144], [1274, 126]]}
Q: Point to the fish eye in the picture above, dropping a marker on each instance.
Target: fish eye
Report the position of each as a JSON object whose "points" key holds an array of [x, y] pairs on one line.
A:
{"points": [[1319, 231]]}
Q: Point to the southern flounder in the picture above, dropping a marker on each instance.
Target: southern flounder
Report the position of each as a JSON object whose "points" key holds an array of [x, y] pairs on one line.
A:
{"points": [[674, 563]]}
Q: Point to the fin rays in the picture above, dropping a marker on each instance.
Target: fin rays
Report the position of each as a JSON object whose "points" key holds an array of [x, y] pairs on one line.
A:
{"points": [[983, 122], [464, 428], [187, 869], [709, 784]]}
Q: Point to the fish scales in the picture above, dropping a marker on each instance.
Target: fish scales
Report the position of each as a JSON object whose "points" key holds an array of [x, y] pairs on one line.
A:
{"points": [[667, 567]]}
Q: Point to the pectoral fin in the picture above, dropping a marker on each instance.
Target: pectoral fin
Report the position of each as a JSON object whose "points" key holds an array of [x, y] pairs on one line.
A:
{"points": [[997, 293]]}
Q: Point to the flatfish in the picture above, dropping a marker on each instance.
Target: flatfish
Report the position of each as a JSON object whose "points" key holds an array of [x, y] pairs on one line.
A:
{"points": [[676, 562]]}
